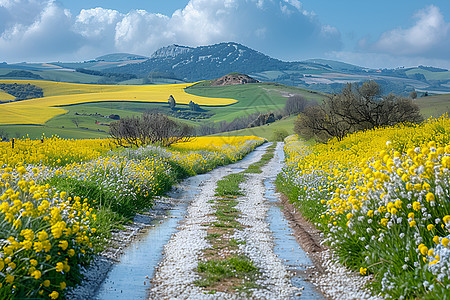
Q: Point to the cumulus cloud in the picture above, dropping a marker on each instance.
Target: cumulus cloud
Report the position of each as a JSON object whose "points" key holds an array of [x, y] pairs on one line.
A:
{"points": [[47, 30], [429, 35], [33, 28], [426, 42]]}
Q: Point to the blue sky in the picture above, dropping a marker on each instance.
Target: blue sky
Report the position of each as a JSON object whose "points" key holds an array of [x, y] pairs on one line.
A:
{"points": [[375, 34]]}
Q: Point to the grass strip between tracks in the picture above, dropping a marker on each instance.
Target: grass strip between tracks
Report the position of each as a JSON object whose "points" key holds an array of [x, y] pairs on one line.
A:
{"points": [[224, 269]]}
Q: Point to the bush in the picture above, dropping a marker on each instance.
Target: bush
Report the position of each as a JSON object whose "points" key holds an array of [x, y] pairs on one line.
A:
{"points": [[152, 128], [279, 135]]}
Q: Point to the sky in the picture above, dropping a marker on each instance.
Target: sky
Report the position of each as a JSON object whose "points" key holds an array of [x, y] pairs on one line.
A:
{"points": [[374, 34]]}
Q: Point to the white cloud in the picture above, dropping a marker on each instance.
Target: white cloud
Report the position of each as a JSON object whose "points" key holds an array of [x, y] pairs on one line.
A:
{"points": [[43, 29], [429, 35], [140, 31], [97, 22], [295, 3], [47, 30]]}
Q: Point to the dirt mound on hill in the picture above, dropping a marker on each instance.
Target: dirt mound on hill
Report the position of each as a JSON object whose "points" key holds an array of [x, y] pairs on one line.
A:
{"points": [[233, 79]]}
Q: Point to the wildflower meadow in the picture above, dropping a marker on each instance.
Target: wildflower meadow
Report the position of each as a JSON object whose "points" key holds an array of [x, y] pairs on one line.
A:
{"points": [[381, 198], [60, 199]]}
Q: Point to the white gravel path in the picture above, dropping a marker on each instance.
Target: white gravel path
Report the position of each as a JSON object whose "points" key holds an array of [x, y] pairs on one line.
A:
{"points": [[275, 279], [338, 282], [175, 275]]}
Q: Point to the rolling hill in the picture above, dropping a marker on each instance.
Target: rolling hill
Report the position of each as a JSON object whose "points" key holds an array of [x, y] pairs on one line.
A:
{"points": [[79, 110], [178, 64]]}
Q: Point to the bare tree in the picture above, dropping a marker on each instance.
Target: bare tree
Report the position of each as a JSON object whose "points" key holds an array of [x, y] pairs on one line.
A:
{"points": [[295, 104], [151, 128], [356, 108]]}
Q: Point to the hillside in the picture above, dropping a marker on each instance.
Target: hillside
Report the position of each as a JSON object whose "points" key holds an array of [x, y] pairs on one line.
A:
{"points": [[205, 62], [80, 110], [233, 79], [179, 64]]}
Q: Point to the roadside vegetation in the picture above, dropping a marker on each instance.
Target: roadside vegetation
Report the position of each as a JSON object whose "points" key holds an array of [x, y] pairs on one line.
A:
{"points": [[380, 197], [60, 199]]}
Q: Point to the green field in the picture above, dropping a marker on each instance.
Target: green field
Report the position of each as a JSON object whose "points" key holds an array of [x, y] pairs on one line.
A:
{"points": [[266, 131], [59, 75], [252, 97], [430, 75], [434, 106], [81, 119]]}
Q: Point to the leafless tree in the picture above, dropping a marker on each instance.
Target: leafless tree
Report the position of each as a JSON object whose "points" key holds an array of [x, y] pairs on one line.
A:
{"points": [[151, 128], [356, 108], [295, 104]]}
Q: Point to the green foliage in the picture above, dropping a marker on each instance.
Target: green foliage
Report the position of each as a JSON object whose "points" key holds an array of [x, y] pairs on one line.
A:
{"points": [[279, 135], [22, 91], [21, 74], [228, 186], [233, 267]]}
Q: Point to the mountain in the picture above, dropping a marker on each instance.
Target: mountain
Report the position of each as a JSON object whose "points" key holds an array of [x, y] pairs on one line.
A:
{"points": [[177, 63], [205, 62]]}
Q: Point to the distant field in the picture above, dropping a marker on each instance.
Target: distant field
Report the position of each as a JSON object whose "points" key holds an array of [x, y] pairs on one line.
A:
{"points": [[430, 75], [61, 75], [5, 96], [434, 105], [63, 120], [253, 97], [265, 131], [57, 94]]}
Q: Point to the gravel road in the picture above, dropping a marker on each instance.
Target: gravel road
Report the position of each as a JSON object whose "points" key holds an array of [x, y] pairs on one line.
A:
{"points": [[175, 276]]}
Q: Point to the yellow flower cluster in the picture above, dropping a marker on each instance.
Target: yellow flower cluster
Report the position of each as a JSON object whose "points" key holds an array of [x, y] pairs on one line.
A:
{"points": [[52, 151], [202, 154], [44, 234], [384, 199], [217, 143]]}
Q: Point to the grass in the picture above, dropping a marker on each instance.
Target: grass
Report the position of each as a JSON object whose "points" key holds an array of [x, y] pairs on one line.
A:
{"points": [[434, 105], [222, 270], [235, 267], [252, 97], [228, 186], [36, 131], [57, 94], [265, 158]]}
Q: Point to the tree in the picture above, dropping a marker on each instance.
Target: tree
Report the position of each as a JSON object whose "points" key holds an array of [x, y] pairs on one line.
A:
{"points": [[295, 104], [356, 108], [279, 134], [171, 102], [413, 94], [194, 106], [151, 128], [76, 121]]}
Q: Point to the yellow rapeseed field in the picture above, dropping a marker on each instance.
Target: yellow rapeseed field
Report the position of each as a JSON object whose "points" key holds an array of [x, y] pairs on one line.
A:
{"points": [[381, 198], [48, 232], [5, 96], [40, 110]]}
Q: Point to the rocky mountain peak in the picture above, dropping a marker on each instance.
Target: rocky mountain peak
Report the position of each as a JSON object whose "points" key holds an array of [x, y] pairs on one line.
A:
{"points": [[171, 51]]}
